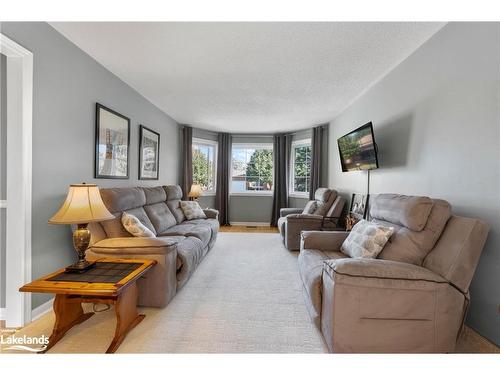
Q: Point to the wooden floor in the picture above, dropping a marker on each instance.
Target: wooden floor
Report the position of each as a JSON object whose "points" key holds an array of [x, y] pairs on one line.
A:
{"points": [[248, 229]]}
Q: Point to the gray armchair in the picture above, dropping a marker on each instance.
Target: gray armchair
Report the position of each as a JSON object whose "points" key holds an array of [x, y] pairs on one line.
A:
{"points": [[321, 213]]}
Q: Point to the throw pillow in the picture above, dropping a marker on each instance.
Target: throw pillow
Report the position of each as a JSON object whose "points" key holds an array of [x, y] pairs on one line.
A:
{"points": [[366, 240], [310, 207], [135, 227], [192, 210]]}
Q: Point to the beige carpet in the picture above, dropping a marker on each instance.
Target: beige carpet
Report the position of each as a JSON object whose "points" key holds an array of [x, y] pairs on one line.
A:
{"points": [[245, 297]]}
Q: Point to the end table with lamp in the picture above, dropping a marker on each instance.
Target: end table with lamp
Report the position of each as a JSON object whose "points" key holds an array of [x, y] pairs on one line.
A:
{"points": [[107, 281]]}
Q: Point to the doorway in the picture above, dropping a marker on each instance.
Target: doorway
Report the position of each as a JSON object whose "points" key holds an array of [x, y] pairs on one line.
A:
{"points": [[15, 180]]}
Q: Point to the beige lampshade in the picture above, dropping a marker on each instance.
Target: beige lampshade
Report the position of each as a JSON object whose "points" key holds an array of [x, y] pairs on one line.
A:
{"points": [[195, 191], [82, 205]]}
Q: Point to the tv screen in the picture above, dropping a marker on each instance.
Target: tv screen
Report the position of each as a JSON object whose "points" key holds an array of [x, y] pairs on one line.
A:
{"points": [[358, 150]]}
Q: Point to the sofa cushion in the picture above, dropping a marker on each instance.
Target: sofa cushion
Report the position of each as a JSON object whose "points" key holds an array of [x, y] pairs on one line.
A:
{"points": [[212, 223], [310, 207], [174, 196], [190, 254], [114, 227], [121, 199], [408, 211], [203, 233], [324, 199], [135, 227], [366, 240], [409, 246], [154, 194], [160, 216], [310, 264], [192, 210]]}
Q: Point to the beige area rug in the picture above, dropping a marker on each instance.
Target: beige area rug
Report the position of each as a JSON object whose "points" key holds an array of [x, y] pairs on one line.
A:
{"points": [[245, 297]]}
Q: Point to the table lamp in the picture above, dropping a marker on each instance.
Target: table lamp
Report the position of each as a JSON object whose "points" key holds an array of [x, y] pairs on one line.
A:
{"points": [[195, 192], [82, 206]]}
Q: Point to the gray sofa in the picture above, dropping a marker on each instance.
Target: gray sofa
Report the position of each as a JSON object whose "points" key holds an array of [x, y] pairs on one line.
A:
{"points": [[179, 246], [327, 209], [413, 298]]}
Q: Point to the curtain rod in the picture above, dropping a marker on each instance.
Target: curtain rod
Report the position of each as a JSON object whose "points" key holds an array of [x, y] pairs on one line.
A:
{"points": [[261, 135]]}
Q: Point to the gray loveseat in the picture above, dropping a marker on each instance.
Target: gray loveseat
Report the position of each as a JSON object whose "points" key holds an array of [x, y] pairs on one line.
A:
{"points": [[413, 297], [179, 246]]}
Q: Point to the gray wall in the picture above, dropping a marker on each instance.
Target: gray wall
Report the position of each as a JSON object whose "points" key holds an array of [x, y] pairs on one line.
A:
{"points": [[3, 160], [437, 121], [67, 84]]}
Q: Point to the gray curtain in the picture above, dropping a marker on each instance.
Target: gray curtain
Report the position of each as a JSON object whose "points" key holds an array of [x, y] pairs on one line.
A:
{"points": [[187, 160], [222, 190], [281, 150], [317, 152]]}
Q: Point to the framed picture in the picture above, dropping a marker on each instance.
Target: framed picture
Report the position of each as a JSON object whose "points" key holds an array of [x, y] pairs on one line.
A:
{"points": [[359, 206], [112, 141], [149, 154]]}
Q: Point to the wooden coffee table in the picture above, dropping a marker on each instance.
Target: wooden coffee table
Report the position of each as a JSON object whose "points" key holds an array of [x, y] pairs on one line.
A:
{"points": [[111, 281]]}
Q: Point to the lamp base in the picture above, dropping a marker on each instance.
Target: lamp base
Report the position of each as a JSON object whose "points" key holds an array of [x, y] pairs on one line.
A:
{"points": [[79, 267]]}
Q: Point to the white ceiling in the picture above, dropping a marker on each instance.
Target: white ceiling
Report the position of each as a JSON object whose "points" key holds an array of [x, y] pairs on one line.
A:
{"points": [[249, 77]]}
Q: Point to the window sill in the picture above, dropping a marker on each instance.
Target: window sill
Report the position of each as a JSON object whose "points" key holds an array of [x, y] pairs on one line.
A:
{"points": [[298, 195], [266, 194], [208, 194]]}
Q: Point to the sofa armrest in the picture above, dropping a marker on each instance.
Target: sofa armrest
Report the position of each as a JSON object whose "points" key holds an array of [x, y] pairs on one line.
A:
{"points": [[134, 245], [211, 213], [380, 269], [304, 217], [287, 211], [324, 241]]}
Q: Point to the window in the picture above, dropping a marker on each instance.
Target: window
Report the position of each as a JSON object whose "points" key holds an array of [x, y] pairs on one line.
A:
{"points": [[252, 169], [205, 164], [300, 169]]}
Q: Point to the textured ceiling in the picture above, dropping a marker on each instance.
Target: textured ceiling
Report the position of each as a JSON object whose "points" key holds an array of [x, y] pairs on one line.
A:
{"points": [[249, 77]]}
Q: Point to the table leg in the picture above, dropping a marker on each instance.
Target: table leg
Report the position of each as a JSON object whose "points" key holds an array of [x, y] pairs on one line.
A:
{"points": [[69, 312], [126, 316]]}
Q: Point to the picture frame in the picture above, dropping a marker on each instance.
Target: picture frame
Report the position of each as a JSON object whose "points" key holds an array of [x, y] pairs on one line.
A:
{"points": [[359, 206], [149, 154], [112, 144]]}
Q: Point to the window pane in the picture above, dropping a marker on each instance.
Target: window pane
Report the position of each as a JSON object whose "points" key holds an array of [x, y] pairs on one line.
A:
{"points": [[300, 184], [204, 166], [252, 169]]}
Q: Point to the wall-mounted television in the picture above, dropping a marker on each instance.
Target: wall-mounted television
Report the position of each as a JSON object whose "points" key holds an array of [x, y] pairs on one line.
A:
{"points": [[358, 150]]}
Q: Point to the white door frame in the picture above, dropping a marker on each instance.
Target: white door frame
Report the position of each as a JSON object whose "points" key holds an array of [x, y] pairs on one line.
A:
{"points": [[19, 175]]}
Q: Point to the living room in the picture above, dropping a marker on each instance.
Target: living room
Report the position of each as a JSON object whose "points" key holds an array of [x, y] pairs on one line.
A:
{"points": [[250, 187]]}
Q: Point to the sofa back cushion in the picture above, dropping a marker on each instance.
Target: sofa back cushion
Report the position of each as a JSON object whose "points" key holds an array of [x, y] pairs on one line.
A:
{"points": [[410, 212], [310, 207], [154, 194], [119, 200], [324, 199], [161, 216], [457, 252], [174, 196], [426, 216]]}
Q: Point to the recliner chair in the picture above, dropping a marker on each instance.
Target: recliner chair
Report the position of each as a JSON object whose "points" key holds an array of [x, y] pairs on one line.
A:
{"points": [[323, 212], [413, 297]]}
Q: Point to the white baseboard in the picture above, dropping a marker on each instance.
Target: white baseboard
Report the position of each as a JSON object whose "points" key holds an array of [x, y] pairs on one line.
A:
{"points": [[41, 310], [2, 313], [251, 223]]}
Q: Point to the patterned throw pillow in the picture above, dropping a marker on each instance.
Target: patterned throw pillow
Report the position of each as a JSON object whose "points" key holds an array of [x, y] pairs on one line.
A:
{"points": [[310, 207], [366, 240], [135, 227], [192, 210]]}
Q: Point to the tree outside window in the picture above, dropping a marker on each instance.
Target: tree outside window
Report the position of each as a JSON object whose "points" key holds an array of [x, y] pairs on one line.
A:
{"points": [[204, 164], [252, 168]]}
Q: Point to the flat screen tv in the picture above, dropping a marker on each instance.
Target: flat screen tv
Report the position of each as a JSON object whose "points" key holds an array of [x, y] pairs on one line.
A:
{"points": [[358, 150]]}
